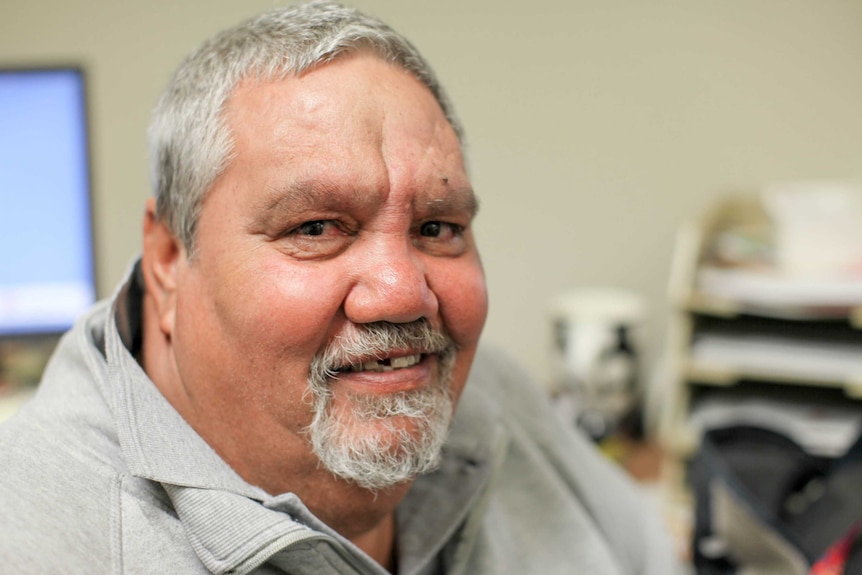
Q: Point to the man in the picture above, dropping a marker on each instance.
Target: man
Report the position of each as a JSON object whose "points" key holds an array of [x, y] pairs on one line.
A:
{"points": [[273, 388]]}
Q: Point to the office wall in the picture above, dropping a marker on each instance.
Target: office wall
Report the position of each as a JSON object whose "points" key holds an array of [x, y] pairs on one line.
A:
{"points": [[595, 127]]}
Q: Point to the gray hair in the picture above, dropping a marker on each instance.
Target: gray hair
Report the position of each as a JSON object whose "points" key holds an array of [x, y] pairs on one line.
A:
{"points": [[190, 143]]}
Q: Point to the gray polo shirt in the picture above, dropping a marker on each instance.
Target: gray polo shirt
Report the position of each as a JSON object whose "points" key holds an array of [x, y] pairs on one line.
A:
{"points": [[101, 475]]}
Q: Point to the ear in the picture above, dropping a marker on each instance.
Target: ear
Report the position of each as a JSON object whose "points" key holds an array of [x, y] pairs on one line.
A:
{"points": [[163, 254]]}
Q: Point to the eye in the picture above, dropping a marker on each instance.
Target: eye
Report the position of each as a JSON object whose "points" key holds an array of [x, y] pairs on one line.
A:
{"points": [[316, 239], [315, 228], [441, 238], [441, 230], [431, 229]]}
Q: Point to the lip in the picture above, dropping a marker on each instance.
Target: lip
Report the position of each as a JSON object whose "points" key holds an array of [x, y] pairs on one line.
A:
{"points": [[403, 379]]}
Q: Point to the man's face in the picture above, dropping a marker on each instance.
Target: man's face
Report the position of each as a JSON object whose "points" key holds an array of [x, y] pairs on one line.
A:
{"points": [[346, 203]]}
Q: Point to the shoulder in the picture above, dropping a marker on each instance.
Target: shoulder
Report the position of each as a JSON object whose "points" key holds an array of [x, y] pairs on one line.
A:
{"points": [[56, 504], [61, 463], [70, 506], [498, 374], [500, 387], [554, 482]]}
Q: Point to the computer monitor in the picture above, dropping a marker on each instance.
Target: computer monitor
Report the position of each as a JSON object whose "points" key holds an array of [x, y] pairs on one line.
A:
{"points": [[47, 275]]}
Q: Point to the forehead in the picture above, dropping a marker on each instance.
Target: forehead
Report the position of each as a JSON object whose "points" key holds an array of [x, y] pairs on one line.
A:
{"points": [[346, 115]]}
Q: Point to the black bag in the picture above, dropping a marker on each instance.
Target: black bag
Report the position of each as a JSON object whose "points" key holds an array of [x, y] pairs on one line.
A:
{"points": [[764, 506]]}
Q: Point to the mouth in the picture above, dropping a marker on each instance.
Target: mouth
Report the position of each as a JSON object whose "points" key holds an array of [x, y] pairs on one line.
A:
{"points": [[385, 364]]}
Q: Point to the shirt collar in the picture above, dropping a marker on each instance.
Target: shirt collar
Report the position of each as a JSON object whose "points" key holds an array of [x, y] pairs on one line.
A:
{"points": [[157, 443]]}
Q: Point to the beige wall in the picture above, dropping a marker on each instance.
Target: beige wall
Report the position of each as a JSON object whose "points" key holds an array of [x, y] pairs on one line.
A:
{"points": [[595, 127]]}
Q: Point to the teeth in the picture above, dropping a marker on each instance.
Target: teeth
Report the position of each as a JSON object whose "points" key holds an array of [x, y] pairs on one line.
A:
{"points": [[384, 365], [406, 361], [374, 365]]}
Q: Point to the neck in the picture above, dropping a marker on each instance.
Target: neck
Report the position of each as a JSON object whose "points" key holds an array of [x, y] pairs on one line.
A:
{"points": [[356, 513], [366, 518], [379, 543]]}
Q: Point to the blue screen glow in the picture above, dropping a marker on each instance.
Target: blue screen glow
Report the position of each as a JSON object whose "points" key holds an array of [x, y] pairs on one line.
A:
{"points": [[46, 251]]}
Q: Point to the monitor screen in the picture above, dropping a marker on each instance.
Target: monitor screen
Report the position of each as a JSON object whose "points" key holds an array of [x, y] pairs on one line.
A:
{"points": [[46, 245]]}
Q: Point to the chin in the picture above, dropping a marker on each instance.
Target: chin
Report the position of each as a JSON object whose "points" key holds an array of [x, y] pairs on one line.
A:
{"points": [[381, 441]]}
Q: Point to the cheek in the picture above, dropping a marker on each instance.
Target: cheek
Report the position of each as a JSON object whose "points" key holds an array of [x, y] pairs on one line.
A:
{"points": [[463, 298], [259, 325], [461, 292], [258, 318], [286, 307]]}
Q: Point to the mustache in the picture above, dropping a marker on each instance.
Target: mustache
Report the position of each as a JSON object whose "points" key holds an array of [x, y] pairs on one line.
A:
{"points": [[359, 343]]}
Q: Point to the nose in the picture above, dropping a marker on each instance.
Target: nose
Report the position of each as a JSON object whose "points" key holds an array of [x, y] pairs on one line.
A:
{"points": [[391, 285]]}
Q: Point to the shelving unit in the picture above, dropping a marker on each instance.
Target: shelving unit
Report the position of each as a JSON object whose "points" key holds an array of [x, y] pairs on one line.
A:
{"points": [[751, 344]]}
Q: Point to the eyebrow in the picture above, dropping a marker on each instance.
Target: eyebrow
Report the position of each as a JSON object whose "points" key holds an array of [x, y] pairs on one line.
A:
{"points": [[313, 193], [457, 200], [320, 194]]}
